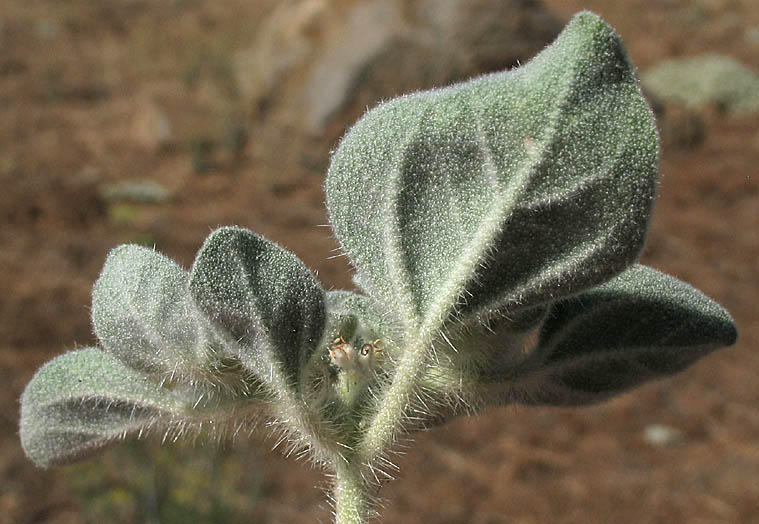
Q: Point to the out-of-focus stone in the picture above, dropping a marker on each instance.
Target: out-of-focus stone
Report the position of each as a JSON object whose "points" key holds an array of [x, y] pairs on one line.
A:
{"points": [[317, 65], [370, 29], [659, 435], [152, 127]]}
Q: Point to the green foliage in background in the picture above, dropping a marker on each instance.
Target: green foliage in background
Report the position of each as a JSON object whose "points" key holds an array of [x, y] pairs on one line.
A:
{"points": [[705, 80], [145, 481]]}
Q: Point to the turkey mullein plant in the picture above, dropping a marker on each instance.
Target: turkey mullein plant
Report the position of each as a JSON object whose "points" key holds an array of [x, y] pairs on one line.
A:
{"points": [[494, 228]]}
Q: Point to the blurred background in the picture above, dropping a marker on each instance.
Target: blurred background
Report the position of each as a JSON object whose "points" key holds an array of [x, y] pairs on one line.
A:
{"points": [[155, 121]]}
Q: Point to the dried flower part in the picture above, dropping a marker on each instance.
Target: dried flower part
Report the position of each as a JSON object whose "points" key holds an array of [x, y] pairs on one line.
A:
{"points": [[356, 359]]}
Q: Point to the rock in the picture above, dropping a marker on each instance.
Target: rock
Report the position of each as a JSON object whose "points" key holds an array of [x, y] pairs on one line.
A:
{"points": [[659, 435], [706, 80], [152, 127], [317, 65], [369, 30]]}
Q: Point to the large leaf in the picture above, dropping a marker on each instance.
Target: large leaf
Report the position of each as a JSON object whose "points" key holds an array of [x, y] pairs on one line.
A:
{"points": [[83, 400], [641, 325], [263, 297], [143, 314], [512, 189]]}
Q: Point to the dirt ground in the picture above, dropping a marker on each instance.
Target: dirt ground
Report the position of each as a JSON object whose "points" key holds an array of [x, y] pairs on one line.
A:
{"points": [[74, 79]]}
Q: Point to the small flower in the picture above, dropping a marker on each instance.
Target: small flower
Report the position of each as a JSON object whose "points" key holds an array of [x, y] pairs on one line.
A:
{"points": [[345, 356]]}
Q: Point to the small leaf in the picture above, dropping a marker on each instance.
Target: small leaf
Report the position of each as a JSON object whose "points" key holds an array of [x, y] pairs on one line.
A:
{"points": [[83, 400], [143, 314], [515, 188], [641, 325], [263, 296], [353, 315]]}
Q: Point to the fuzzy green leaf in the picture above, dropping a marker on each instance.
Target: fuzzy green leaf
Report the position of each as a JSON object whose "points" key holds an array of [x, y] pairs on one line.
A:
{"points": [[143, 314], [352, 315], [639, 326], [264, 298], [513, 189], [83, 400]]}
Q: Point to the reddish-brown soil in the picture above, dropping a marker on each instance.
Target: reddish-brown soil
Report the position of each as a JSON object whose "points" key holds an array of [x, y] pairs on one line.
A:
{"points": [[75, 83]]}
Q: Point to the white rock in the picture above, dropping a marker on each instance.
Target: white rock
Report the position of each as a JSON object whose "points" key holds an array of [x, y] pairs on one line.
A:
{"points": [[661, 435]]}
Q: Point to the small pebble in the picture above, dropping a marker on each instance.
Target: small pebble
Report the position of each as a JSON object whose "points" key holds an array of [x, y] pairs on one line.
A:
{"points": [[661, 435]]}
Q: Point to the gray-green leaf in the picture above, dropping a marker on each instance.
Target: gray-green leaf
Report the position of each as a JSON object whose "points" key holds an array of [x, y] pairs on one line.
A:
{"points": [[83, 400], [351, 314], [639, 326], [512, 189], [263, 296], [143, 314]]}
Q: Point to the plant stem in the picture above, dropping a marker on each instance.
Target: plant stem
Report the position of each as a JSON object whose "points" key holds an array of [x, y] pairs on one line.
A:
{"points": [[351, 495], [350, 386], [388, 420]]}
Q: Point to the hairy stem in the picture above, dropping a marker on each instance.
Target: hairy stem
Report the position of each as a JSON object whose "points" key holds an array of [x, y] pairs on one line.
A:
{"points": [[394, 402], [351, 495]]}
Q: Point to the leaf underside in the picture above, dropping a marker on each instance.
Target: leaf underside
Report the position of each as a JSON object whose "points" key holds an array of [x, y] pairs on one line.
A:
{"points": [[510, 190], [263, 297], [83, 400], [143, 314], [641, 325]]}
